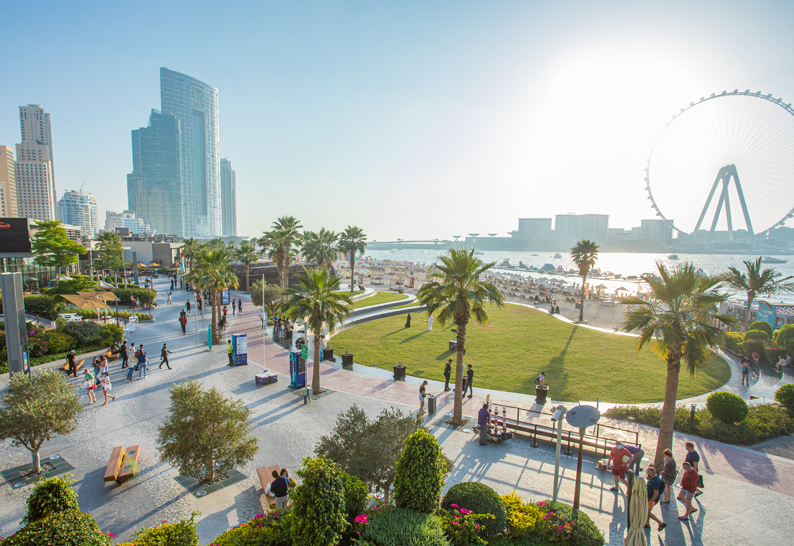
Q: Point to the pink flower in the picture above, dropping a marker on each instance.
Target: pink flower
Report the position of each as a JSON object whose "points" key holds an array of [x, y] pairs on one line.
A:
{"points": [[163, 521]]}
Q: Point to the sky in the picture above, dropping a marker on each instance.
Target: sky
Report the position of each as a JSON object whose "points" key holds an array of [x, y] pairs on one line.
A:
{"points": [[410, 119]]}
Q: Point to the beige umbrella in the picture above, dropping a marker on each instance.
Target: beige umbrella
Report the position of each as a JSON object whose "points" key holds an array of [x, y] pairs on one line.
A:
{"points": [[638, 512], [84, 302]]}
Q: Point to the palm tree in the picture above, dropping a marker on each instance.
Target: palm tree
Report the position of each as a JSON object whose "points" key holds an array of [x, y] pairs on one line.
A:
{"points": [[458, 294], [755, 282], [320, 247], [682, 311], [279, 244], [352, 241], [247, 254], [214, 271], [317, 301], [584, 254], [190, 248]]}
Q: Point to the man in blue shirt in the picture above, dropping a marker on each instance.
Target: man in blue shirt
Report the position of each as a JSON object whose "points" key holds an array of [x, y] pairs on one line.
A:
{"points": [[654, 488], [483, 418]]}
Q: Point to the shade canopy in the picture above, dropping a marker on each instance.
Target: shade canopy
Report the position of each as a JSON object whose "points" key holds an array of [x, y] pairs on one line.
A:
{"points": [[85, 302], [638, 511]]}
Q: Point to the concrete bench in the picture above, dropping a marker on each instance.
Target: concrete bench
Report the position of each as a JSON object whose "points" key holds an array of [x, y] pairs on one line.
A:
{"points": [[78, 364], [265, 477], [114, 466], [129, 464]]}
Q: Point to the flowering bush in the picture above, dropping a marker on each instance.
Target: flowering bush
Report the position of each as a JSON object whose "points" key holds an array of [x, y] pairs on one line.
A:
{"points": [[182, 533], [69, 527], [463, 527], [521, 517], [270, 529]]}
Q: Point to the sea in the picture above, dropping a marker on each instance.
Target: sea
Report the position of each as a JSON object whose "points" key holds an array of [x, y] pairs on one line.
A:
{"points": [[624, 263]]}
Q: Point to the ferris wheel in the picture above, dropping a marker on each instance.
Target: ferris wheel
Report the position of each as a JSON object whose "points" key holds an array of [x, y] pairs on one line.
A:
{"points": [[725, 163]]}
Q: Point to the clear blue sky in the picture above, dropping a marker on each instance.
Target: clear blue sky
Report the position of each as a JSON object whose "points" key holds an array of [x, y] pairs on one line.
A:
{"points": [[409, 119]]}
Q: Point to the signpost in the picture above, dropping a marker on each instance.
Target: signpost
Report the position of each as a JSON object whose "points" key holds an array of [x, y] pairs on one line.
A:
{"points": [[225, 297], [304, 351], [240, 349]]}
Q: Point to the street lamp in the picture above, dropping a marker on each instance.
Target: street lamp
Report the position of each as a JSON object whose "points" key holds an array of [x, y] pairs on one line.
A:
{"points": [[581, 417]]}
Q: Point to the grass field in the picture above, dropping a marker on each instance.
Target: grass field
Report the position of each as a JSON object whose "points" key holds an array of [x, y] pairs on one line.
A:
{"points": [[519, 343], [379, 297]]}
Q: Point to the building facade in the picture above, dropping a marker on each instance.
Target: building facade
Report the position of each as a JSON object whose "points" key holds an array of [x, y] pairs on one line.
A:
{"points": [[33, 169], [80, 209], [154, 187], [569, 228], [8, 184], [127, 220], [536, 229], [228, 199], [195, 105]]}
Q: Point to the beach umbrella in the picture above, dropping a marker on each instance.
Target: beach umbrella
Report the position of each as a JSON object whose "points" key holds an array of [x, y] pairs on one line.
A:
{"points": [[622, 289], [601, 287], [84, 302], [154, 264], [638, 512]]}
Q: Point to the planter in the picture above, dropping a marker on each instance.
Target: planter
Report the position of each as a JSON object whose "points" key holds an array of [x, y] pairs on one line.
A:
{"points": [[347, 361], [328, 354], [540, 394], [399, 372]]}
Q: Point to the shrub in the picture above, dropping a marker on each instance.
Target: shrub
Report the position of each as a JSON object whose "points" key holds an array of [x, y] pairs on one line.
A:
{"points": [[732, 341], [480, 499], [773, 354], [86, 333], [521, 517], [318, 504], [182, 533], [271, 529], [58, 342], [50, 496], [785, 335], [560, 525], [66, 528], [463, 527], [785, 396], [727, 407], [761, 325], [758, 335], [419, 475], [111, 333], [750, 346], [401, 527], [355, 493], [44, 306], [141, 294]]}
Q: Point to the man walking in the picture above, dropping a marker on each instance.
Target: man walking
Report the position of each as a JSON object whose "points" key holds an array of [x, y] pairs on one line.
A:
{"points": [[447, 374], [230, 350], [654, 490], [693, 458], [240, 306], [125, 355], [469, 381], [183, 321], [483, 418], [187, 306], [71, 359], [164, 352]]}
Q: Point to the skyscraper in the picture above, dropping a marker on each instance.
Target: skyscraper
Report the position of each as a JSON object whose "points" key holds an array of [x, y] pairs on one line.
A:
{"points": [[8, 184], [228, 198], [154, 187], [79, 209], [34, 173], [195, 105]]}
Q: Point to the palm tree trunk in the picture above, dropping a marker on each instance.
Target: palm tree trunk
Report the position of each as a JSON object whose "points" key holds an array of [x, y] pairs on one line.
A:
{"points": [[750, 299], [247, 272], [316, 365], [214, 322], [352, 270], [457, 415], [581, 307], [668, 412]]}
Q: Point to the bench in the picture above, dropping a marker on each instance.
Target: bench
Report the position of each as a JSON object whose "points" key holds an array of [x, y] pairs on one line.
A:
{"points": [[78, 364], [111, 356], [112, 471], [265, 477], [129, 464]]}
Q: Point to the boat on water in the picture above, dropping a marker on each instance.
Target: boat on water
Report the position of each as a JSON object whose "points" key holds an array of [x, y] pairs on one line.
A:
{"points": [[505, 263], [558, 255], [534, 254], [771, 260], [672, 257]]}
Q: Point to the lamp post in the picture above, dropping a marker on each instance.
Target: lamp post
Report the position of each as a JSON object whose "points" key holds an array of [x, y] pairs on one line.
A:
{"points": [[557, 418], [581, 417]]}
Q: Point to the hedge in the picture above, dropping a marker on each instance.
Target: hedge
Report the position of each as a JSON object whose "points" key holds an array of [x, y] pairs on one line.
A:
{"points": [[400, 526], [480, 499], [727, 407], [66, 528]]}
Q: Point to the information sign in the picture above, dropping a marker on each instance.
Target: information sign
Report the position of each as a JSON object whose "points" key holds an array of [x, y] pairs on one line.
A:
{"points": [[304, 351]]}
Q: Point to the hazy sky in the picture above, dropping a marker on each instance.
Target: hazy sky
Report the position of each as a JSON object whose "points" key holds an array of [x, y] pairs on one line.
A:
{"points": [[409, 119]]}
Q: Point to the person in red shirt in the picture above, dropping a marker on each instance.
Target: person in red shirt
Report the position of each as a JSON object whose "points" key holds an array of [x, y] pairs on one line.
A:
{"points": [[689, 484], [620, 457]]}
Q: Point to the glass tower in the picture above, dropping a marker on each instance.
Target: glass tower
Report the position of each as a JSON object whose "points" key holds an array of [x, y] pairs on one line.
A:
{"points": [[154, 187], [228, 198], [195, 105]]}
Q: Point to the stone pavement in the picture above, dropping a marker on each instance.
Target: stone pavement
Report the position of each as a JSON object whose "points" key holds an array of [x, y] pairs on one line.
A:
{"points": [[287, 430]]}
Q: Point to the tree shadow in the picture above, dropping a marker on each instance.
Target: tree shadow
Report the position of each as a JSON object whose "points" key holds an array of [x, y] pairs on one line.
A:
{"points": [[411, 338]]}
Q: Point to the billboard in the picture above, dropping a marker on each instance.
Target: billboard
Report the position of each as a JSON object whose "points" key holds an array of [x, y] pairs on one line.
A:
{"points": [[14, 236]]}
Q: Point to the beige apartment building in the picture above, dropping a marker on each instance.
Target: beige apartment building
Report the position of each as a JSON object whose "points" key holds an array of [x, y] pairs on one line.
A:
{"points": [[34, 171], [8, 184]]}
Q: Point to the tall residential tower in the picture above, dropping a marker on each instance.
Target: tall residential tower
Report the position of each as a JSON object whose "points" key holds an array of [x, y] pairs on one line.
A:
{"points": [[34, 171], [228, 198], [79, 209], [195, 105], [8, 184]]}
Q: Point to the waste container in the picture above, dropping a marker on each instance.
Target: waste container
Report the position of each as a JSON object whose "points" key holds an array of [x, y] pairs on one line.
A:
{"points": [[540, 394], [453, 344], [431, 404], [399, 372], [347, 361], [328, 354]]}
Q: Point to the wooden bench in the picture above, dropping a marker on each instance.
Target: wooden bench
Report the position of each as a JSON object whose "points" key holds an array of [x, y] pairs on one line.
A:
{"points": [[112, 471], [78, 364], [129, 464], [111, 356], [265, 477]]}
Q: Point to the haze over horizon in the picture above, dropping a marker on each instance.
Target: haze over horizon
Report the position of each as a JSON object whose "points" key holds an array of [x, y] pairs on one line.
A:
{"points": [[408, 119]]}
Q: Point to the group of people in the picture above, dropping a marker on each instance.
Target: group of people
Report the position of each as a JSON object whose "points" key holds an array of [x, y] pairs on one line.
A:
{"points": [[279, 488], [468, 383], [624, 457]]}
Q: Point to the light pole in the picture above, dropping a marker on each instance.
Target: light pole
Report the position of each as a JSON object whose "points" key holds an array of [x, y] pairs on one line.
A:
{"points": [[264, 323], [581, 417], [557, 418]]}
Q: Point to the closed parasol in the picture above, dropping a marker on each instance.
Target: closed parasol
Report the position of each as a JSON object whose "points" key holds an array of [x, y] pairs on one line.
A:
{"points": [[638, 514]]}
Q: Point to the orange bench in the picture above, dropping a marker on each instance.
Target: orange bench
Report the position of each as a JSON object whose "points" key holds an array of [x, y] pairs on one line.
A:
{"points": [[112, 471], [265, 477], [129, 464], [78, 364], [111, 356]]}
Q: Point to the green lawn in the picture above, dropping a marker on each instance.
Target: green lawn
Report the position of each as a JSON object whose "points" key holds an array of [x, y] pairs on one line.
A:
{"points": [[378, 297], [518, 343]]}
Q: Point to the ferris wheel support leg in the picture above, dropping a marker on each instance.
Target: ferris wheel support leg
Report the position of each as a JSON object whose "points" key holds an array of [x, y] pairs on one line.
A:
{"points": [[732, 172], [708, 202]]}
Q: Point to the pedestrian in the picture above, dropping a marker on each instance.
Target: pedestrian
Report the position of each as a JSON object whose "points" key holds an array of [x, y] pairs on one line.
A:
{"points": [[89, 378], [230, 351], [636, 458], [103, 365], [483, 418], [106, 387], [540, 381], [689, 484], [430, 323], [285, 474], [408, 321], [654, 487], [422, 397], [447, 374], [143, 363], [125, 357], [200, 306], [745, 373], [183, 321], [164, 352], [234, 307], [281, 329], [240, 306], [469, 381], [693, 458], [668, 475], [72, 361], [169, 297], [620, 458], [278, 488], [187, 306]]}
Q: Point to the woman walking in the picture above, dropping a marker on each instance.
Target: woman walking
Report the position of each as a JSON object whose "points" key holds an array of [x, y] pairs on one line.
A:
{"points": [[422, 397], [106, 387], [668, 475], [88, 377]]}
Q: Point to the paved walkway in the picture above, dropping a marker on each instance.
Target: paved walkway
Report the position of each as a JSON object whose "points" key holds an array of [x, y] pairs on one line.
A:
{"points": [[287, 431]]}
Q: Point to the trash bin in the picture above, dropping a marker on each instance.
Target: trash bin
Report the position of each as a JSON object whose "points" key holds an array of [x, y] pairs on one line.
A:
{"points": [[347, 361], [540, 394], [328, 354], [453, 344], [399, 372], [431, 404]]}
